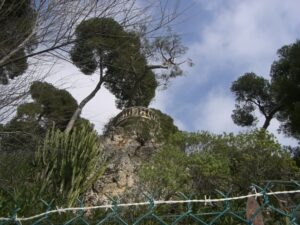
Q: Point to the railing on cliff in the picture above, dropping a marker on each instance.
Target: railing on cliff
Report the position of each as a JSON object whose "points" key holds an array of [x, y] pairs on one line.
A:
{"points": [[258, 209], [135, 112]]}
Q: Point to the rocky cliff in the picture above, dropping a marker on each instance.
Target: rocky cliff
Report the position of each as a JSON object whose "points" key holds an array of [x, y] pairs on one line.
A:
{"points": [[130, 141]]}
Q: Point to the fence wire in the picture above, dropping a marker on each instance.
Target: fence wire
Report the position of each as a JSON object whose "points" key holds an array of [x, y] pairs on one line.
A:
{"points": [[261, 206]]}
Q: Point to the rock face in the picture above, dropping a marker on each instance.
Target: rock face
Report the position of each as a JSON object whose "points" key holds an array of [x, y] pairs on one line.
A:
{"points": [[126, 150]]}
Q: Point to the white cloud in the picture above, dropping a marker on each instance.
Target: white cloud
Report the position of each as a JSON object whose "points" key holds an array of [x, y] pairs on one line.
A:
{"points": [[240, 36], [248, 33], [213, 113]]}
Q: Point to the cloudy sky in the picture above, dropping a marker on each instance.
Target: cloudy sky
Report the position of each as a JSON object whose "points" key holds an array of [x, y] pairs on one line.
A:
{"points": [[226, 38]]}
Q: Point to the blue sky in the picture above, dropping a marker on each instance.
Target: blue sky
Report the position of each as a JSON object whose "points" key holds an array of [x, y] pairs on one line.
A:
{"points": [[226, 38]]}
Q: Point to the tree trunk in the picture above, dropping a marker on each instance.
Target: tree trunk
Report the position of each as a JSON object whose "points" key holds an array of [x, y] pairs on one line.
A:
{"points": [[77, 112], [271, 115], [267, 122]]}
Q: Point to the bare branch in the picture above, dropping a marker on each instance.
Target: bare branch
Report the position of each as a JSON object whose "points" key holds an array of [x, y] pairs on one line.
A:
{"points": [[153, 67], [55, 34], [20, 46]]}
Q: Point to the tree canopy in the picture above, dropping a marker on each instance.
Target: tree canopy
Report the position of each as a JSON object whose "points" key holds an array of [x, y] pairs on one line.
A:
{"points": [[50, 107], [201, 162], [285, 78], [103, 44], [120, 57], [277, 98], [252, 92], [17, 19]]}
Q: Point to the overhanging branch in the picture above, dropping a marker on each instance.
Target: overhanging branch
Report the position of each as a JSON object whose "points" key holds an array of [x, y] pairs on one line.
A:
{"points": [[152, 67]]}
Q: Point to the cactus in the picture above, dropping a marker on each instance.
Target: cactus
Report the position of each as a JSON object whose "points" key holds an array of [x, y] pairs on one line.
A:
{"points": [[69, 163]]}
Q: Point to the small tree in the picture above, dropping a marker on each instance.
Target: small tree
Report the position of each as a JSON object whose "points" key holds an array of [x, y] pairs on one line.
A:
{"points": [[253, 92], [50, 106]]}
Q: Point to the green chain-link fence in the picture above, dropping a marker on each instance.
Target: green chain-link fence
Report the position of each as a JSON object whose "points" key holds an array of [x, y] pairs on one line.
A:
{"points": [[269, 204]]}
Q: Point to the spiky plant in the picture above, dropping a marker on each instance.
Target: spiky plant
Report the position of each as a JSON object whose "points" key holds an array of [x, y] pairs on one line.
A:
{"points": [[69, 163]]}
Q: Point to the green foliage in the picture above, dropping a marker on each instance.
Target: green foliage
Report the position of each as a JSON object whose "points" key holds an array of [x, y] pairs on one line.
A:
{"points": [[102, 43], [50, 106], [252, 157], [172, 170], [208, 171], [17, 188], [256, 156], [201, 162], [17, 20], [276, 98], [295, 152], [20, 135], [165, 174], [62, 169], [285, 74], [252, 92], [166, 125], [96, 38], [69, 163], [250, 86], [138, 90]]}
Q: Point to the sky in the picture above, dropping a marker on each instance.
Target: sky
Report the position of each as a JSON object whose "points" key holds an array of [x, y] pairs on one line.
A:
{"points": [[225, 38]]}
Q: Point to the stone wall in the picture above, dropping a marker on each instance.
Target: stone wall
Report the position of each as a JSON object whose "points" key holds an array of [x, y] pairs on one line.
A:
{"points": [[135, 112]]}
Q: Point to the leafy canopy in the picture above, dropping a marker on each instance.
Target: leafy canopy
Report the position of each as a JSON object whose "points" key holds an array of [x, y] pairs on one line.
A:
{"points": [[103, 45], [51, 106], [252, 92], [200, 163], [278, 98], [17, 20], [285, 78]]}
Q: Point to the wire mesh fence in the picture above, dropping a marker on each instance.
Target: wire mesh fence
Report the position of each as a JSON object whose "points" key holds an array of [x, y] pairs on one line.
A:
{"points": [[268, 204]]}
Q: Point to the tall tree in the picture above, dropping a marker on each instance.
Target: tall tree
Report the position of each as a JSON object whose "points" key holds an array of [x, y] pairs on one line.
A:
{"points": [[285, 74], [277, 98], [50, 25], [105, 47]]}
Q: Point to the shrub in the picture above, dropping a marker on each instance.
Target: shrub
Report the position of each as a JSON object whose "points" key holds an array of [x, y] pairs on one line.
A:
{"points": [[69, 163]]}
